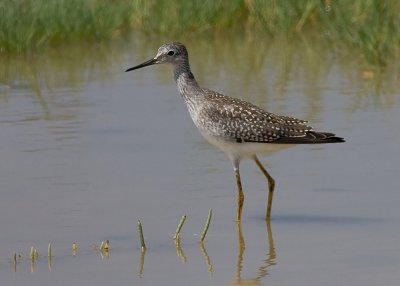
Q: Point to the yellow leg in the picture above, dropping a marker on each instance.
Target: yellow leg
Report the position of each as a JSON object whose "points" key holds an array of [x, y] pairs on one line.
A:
{"points": [[271, 186], [241, 248], [240, 194]]}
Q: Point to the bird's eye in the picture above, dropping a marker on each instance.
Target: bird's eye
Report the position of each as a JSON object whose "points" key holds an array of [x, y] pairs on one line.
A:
{"points": [[171, 53]]}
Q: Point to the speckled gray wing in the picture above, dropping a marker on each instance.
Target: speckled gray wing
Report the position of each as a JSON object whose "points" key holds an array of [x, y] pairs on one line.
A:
{"points": [[240, 121]]}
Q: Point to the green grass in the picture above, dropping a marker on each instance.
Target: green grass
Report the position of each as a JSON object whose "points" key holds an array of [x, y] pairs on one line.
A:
{"points": [[27, 25], [370, 27]]}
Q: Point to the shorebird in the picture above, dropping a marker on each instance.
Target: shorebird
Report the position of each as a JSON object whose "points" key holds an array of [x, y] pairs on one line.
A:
{"points": [[239, 128]]}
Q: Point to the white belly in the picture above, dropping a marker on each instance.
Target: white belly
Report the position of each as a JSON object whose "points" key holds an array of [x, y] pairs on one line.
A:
{"points": [[238, 151]]}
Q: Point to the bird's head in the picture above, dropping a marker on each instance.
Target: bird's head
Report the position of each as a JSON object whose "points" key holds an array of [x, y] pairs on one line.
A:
{"points": [[173, 53]]}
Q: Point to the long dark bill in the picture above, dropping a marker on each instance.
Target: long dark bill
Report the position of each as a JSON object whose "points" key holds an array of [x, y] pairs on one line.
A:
{"points": [[142, 65]]}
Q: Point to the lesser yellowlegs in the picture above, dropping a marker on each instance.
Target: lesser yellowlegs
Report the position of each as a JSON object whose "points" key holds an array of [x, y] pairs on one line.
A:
{"points": [[237, 127]]}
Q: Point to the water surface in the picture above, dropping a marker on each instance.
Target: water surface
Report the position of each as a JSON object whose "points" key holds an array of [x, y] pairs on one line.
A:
{"points": [[87, 150]]}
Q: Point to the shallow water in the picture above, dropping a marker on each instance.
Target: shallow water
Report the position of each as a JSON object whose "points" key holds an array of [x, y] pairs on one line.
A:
{"points": [[87, 150]]}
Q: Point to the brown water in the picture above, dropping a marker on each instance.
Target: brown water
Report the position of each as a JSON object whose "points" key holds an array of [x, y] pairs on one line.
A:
{"points": [[87, 150]]}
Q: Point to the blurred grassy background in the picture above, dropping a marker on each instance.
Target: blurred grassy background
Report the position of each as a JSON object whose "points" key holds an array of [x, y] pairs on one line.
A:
{"points": [[369, 27]]}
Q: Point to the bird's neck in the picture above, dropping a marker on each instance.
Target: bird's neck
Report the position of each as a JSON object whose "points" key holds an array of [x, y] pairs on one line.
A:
{"points": [[185, 80]]}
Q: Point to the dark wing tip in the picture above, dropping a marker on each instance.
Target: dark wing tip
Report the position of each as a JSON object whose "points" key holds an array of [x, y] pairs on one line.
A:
{"points": [[311, 137], [334, 139]]}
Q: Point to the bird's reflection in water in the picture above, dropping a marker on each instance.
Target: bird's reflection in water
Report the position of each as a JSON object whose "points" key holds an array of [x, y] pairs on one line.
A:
{"points": [[263, 270]]}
